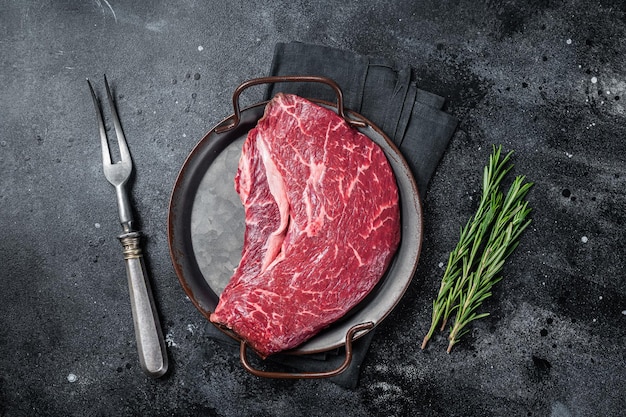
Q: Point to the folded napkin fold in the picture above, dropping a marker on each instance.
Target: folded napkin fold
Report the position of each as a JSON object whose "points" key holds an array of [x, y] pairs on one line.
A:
{"points": [[382, 91]]}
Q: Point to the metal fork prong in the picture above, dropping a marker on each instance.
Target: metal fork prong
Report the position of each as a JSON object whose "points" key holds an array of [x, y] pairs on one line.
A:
{"points": [[106, 154], [121, 139]]}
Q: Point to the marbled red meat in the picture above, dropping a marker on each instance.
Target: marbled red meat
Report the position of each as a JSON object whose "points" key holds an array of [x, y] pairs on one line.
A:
{"points": [[322, 225]]}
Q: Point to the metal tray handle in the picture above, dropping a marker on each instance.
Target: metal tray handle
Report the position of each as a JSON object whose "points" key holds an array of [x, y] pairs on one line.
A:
{"points": [[307, 375], [287, 78]]}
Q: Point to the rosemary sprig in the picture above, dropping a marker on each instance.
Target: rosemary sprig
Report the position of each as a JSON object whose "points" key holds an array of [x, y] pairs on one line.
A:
{"points": [[503, 240], [485, 242]]}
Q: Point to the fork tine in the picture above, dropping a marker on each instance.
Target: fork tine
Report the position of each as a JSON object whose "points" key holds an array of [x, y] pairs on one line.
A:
{"points": [[106, 155], [121, 139]]}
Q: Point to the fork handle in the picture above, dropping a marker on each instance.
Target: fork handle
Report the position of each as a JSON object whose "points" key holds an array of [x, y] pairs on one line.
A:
{"points": [[150, 342]]}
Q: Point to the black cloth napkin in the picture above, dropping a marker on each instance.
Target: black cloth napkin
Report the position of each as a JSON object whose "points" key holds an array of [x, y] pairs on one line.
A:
{"points": [[382, 91]]}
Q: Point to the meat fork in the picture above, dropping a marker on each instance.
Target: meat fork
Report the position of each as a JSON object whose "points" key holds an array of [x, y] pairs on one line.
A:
{"points": [[150, 342]]}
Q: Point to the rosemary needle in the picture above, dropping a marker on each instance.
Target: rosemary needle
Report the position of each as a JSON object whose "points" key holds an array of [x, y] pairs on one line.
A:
{"points": [[484, 242]]}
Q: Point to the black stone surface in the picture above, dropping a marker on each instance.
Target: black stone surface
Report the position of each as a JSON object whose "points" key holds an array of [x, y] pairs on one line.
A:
{"points": [[545, 79]]}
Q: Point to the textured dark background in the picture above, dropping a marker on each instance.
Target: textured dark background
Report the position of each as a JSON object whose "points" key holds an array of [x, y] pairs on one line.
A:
{"points": [[546, 79]]}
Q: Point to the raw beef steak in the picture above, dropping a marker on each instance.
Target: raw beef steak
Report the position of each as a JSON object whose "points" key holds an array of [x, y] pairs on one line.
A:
{"points": [[322, 224]]}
